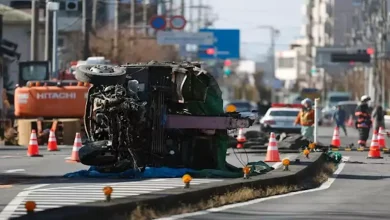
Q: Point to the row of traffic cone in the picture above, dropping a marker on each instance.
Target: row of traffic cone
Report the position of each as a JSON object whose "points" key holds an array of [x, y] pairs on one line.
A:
{"points": [[272, 150], [336, 143], [33, 148]]}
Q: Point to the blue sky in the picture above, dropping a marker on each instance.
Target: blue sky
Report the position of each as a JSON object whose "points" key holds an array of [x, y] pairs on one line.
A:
{"points": [[284, 15]]}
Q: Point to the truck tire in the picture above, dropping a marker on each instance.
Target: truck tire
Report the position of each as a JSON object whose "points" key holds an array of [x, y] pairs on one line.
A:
{"points": [[101, 74]]}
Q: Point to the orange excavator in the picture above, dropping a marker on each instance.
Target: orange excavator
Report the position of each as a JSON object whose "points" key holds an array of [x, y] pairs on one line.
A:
{"points": [[45, 103]]}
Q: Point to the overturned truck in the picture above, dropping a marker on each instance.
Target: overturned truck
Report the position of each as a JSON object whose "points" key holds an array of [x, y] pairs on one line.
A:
{"points": [[154, 114]]}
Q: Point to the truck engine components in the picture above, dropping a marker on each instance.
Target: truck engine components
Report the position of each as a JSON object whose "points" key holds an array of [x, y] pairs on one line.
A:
{"points": [[154, 114]]}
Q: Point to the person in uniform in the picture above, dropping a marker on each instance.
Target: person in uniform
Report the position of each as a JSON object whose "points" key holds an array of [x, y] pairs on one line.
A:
{"points": [[363, 121], [306, 119]]}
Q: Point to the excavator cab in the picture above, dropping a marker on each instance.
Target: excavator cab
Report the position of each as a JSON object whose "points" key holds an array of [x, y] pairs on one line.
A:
{"points": [[33, 71]]}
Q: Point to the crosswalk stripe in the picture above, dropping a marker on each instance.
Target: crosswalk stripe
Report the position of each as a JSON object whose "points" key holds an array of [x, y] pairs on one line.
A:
{"points": [[48, 198]]}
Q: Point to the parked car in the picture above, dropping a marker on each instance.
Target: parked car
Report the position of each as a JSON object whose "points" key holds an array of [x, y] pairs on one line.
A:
{"points": [[280, 120], [245, 108]]}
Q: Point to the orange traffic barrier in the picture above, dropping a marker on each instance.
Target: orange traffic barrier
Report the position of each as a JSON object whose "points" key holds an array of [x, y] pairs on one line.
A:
{"points": [[375, 152], [336, 138], [240, 138], [75, 151], [33, 149], [52, 143], [272, 150], [381, 138]]}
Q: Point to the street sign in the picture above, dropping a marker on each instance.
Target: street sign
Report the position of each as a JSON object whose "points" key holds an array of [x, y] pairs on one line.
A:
{"points": [[182, 38], [178, 22], [226, 43], [158, 22]]}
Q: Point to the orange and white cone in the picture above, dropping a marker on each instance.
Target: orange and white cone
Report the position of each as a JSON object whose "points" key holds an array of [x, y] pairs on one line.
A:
{"points": [[272, 150], [75, 151], [33, 148], [52, 143], [240, 138], [350, 121], [336, 138], [381, 138], [375, 151]]}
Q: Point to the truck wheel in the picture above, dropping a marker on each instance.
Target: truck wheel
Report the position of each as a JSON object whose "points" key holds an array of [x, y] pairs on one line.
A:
{"points": [[101, 74]]}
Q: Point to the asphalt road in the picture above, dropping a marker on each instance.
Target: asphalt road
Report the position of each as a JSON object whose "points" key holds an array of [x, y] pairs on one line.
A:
{"points": [[41, 179], [359, 191]]}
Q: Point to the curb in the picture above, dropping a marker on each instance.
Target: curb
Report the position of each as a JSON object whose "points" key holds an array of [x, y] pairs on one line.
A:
{"points": [[173, 198]]}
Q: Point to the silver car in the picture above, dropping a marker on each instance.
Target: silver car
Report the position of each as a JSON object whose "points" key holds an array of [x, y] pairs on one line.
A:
{"points": [[280, 120]]}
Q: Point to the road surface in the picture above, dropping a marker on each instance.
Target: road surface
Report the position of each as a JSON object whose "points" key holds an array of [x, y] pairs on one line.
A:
{"points": [[359, 191], [40, 179]]}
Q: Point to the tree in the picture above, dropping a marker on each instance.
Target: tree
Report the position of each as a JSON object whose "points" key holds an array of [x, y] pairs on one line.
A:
{"points": [[130, 48]]}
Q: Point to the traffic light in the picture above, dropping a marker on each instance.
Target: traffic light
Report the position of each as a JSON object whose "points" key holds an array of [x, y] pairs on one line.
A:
{"points": [[361, 56], [226, 67], [210, 51]]}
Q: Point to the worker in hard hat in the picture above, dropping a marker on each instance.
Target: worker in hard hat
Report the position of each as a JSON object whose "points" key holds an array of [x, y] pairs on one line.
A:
{"points": [[306, 119], [363, 121]]}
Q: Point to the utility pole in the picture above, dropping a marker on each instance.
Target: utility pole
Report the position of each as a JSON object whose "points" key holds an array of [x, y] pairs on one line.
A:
{"points": [[34, 30], [116, 30], [48, 33], [182, 8], [94, 12], [145, 15], [55, 6], [200, 8], [191, 17], [132, 17], [86, 27], [383, 50], [273, 34], [2, 112]]}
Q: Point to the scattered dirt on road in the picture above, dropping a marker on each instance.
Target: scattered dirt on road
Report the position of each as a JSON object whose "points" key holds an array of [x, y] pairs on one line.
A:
{"points": [[241, 195]]}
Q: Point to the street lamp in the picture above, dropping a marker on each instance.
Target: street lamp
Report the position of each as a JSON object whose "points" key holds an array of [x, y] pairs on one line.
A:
{"points": [[274, 33]]}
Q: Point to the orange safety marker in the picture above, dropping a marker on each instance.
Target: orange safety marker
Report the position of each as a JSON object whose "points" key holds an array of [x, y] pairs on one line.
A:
{"points": [[375, 152], [33, 149], [336, 138], [272, 150], [52, 143], [75, 151], [381, 138], [240, 138]]}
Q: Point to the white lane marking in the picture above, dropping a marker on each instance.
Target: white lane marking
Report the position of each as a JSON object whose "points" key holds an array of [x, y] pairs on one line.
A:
{"points": [[36, 186], [13, 205], [15, 171], [72, 195], [324, 186]]}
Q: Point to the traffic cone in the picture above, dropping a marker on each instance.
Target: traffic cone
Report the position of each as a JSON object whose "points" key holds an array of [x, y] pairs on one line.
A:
{"points": [[52, 143], [75, 151], [350, 121], [336, 138], [240, 138], [272, 150], [33, 149], [375, 152], [381, 138]]}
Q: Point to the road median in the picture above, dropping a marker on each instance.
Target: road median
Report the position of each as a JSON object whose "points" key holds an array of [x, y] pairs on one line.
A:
{"points": [[174, 201]]}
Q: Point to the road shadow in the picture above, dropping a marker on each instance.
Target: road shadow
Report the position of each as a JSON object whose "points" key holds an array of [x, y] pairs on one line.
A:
{"points": [[361, 177], [361, 162]]}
